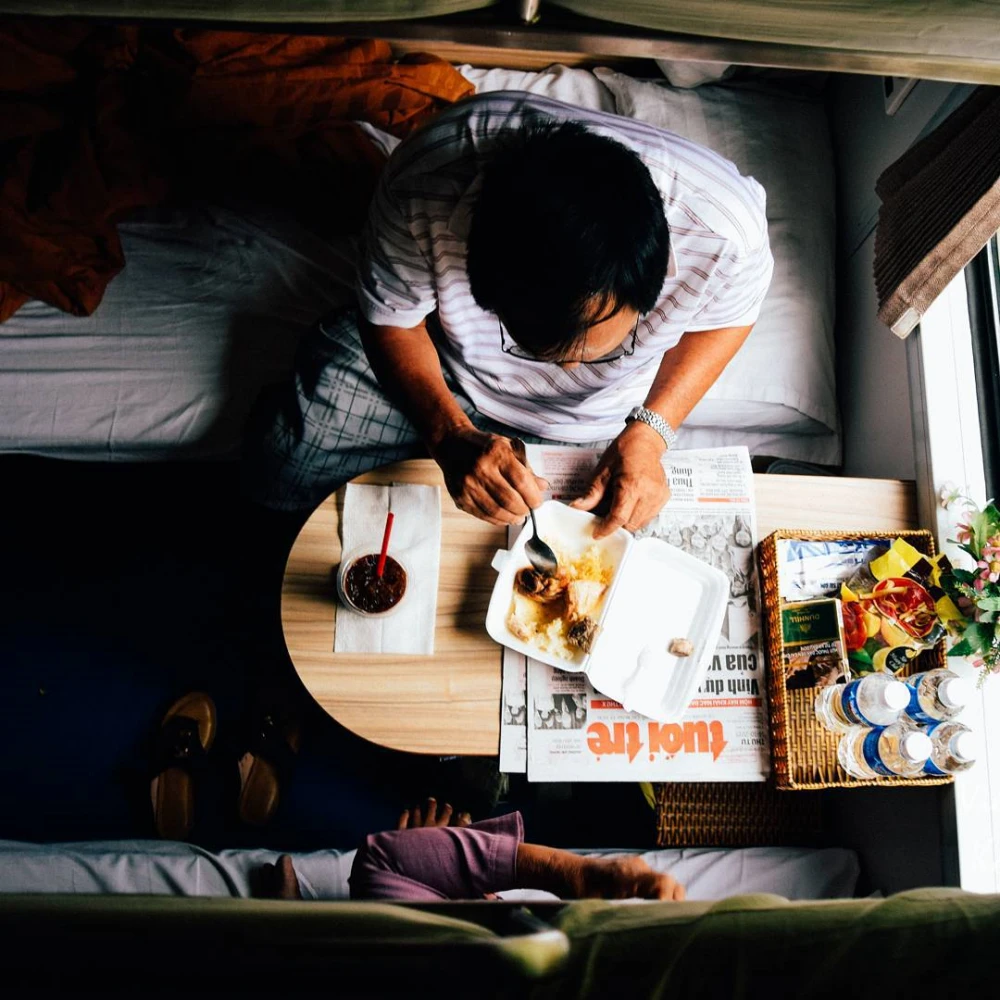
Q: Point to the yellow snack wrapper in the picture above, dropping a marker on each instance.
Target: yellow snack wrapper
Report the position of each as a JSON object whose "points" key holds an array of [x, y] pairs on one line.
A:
{"points": [[898, 561], [894, 609]]}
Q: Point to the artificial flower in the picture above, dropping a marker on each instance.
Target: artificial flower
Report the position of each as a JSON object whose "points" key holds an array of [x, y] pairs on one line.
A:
{"points": [[976, 591]]}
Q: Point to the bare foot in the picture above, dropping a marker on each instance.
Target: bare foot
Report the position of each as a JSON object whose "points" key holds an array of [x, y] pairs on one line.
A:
{"points": [[277, 881], [430, 815]]}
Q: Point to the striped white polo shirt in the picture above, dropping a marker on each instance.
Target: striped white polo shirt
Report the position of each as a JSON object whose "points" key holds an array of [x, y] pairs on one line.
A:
{"points": [[413, 262]]}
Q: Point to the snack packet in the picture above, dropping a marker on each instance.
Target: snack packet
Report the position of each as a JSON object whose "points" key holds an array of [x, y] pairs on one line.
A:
{"points": [[895, 608]]}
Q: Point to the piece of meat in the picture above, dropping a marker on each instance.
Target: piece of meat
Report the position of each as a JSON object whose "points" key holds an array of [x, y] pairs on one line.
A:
{"points": [[542, 587], [583, 633]]}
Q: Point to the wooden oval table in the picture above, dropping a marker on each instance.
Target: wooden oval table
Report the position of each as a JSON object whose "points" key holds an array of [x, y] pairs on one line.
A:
{"points": [[449, 703]]}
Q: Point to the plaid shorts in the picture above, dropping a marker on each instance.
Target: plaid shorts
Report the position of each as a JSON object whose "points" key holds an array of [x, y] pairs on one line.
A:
{"points": [[334, 422]]}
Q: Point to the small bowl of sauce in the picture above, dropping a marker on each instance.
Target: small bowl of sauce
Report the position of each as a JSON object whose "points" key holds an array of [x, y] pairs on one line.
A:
{"points": [[362, 590]]}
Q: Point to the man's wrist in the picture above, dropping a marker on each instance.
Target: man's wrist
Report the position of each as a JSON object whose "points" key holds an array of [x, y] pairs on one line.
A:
{"points": [[550, 869], [655, 421], [444, 427], [640, 432]]}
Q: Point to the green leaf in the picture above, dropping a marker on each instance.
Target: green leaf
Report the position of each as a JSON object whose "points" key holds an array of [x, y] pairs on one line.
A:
{"points": [[961, 648], [988, 603], [993, 513], [964, 576], [978, 636], [988, 617], [648, 793], [981, 525]]}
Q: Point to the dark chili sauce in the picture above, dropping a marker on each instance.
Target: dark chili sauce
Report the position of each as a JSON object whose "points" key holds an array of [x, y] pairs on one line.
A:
{"points": [[369, 592]]}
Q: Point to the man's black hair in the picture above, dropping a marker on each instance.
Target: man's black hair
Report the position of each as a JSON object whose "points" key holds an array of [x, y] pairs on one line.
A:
{"points": [[568, 229]]}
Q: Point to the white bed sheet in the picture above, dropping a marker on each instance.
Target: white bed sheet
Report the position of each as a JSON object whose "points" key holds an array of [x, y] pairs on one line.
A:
{"points": [[209, 308]]}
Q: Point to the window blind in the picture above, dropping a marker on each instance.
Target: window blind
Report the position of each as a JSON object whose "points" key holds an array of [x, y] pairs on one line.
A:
{"points": [[940, 207]]}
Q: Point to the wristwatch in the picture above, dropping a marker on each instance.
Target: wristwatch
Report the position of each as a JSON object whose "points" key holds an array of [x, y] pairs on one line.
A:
{"points": [[654, 420]]}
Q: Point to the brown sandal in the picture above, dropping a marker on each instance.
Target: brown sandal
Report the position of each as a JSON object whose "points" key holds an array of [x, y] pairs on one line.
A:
{"points": [[271, 755], [186, 735]]}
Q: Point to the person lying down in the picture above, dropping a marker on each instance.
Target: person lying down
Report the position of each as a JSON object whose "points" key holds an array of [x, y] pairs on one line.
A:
{"points": [[434, 861], [426, 859]]}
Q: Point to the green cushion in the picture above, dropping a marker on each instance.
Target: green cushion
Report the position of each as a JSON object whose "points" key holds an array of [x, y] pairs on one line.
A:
{"points": [[764, 946], [939, 940], [252, 943]]}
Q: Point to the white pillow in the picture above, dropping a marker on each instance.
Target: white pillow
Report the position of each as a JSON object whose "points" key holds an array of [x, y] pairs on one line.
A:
{"points": [[782, 140], [688, 73], [571, 86]]}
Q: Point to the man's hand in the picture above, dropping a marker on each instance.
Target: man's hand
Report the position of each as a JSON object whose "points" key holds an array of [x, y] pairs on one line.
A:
{"points": [[485, 476], [631, 475], [417, 817], [627, 878], [577, 876]]}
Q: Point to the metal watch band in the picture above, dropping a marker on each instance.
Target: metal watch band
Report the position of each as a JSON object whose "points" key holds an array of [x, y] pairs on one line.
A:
{"points": [[654, 420]]}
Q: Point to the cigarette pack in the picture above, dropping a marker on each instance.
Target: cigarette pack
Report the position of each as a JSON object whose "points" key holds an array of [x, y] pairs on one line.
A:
{"points": [[812, 636]]}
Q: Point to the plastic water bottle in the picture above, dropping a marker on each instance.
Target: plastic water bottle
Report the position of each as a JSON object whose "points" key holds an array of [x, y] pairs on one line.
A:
{"points": [[953, 748], [892, 751], [937, 695], [873, 700]]}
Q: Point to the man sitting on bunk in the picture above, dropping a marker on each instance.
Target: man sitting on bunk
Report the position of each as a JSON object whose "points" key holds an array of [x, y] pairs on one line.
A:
{"points": [[529, 270]]}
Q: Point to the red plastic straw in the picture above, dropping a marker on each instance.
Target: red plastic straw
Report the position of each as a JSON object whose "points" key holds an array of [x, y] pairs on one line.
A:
{"points": [[380, 569]]}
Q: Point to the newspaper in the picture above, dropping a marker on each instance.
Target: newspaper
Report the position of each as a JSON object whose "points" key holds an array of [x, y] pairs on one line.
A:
{"points": [[568, 471], [557, 727]]}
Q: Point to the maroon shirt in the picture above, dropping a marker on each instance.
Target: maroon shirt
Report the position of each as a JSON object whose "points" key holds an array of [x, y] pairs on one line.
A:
{"points": [[439, 862]]}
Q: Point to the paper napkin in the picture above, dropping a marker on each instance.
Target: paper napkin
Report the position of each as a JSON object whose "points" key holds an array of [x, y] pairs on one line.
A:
{"points": [[416, 540]]}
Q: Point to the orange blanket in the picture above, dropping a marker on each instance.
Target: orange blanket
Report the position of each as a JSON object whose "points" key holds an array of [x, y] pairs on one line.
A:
{"points": [[96, 121]]}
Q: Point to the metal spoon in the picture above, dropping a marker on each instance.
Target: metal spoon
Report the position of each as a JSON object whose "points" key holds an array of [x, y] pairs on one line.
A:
{"points": [[539, 554]]}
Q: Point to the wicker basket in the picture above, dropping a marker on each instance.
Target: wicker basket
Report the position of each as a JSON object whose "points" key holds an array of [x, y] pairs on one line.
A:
{"points": [[735, 814], [803, 753]]}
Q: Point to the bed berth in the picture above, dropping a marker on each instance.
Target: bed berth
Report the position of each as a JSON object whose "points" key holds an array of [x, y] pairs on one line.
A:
{"points": [[214, 298]]}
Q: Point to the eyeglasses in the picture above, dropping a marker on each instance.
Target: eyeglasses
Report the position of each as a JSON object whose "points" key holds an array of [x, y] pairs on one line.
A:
{"points": [[516, 351]]}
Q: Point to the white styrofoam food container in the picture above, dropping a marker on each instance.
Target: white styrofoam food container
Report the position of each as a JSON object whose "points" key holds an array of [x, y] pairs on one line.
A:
{"points": [[657, 593]]}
